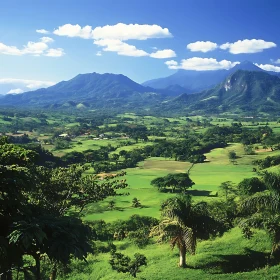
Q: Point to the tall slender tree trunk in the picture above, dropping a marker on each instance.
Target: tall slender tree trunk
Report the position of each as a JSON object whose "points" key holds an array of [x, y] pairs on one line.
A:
{"points": [[53, 273], [38, 266], [182, 262], [7, 275]]}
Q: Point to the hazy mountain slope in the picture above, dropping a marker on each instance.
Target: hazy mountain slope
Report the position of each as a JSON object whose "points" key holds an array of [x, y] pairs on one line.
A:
{"points": [[96, 89], [196, 81], [240, 91]]}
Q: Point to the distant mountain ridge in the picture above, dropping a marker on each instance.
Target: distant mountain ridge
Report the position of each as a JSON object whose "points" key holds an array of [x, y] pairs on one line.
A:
{"points": [[242, 91], [196, 81], [96, 89]]}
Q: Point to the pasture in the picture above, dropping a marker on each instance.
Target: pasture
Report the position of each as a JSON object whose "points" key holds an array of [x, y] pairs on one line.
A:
{"points": [[207, 176]]}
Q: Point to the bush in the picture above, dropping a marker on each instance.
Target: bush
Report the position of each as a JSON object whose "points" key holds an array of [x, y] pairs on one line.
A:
{"points": [[250, 186]]}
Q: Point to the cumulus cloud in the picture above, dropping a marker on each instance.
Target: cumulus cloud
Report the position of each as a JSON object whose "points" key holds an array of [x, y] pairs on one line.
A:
{"points": [[33, 48], [163, 54], [124, 32], [172, 64], [120, 31], [28, 84], [201, 46], [15, 91], [42, 31], [47, 40], [112, 37], [247, 46], [268, 67], [277, 61], [55, 52], [10, 50], [201, 64], [99, 53], [71, 30], [120, 47]]}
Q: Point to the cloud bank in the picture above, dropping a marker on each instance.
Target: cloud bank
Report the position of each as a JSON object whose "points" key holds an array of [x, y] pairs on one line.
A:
{"points": [[15, 91], [240, 46], [268, 67], [33, 48], [112, 38], [201, 64], [21, 85], [247, 46]]}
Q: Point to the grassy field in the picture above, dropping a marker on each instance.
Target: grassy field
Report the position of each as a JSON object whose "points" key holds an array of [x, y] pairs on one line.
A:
{"points": [[230, 256], [207, 176], [214, 260]]}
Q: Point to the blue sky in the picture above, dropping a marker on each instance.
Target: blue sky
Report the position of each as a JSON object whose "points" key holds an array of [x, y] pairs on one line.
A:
{"points": [[44, 42]]}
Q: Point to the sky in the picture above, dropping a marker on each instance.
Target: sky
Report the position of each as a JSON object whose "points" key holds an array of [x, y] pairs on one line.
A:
{"points": [[43, 42]]}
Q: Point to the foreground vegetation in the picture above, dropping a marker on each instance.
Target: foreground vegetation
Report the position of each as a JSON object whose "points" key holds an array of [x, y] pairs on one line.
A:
{"points": [[208, 185]]}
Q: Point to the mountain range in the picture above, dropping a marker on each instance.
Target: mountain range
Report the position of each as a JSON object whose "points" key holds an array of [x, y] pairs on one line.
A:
{"points": [[242, 91], [196, 81], [245, 87], [90, 90]]}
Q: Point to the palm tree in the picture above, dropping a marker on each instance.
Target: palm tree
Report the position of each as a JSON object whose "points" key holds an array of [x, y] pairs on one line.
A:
{"points": [[183, 223], [262, 211]]}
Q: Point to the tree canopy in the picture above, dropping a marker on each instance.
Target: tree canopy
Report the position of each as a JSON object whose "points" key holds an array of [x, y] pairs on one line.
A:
{"points": [[34, 205]]}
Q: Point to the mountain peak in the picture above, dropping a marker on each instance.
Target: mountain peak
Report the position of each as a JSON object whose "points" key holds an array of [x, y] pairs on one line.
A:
{"points": [[246, 65], [246, 62]]}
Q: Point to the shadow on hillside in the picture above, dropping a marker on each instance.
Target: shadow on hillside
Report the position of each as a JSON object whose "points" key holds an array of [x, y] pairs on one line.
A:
{"points": [[251, 260], [124, 245], [121, 209], [144, 206], [200, 193]]}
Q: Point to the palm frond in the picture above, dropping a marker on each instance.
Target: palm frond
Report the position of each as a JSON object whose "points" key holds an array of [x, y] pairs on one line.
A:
{"points": [[260, 201], [255, 221], [189, 240]]}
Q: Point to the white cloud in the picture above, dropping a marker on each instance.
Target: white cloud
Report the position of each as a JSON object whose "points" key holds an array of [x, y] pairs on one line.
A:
{"points": [[201, 46], [247, 46], [33, 48], [268, 67], [172, 64], [121, 48], [124, 32], [71, 30], [55, 52], [99, 53], [10, 50], [42, 31], [119, 31], [29, 84], [112, 37], [15, 91], [47, 40], [201, 64], [277, 61], [163, 54]]}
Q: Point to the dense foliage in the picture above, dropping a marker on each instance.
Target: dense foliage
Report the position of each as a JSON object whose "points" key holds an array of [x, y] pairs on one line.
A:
{"points": [[34, 203]]}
